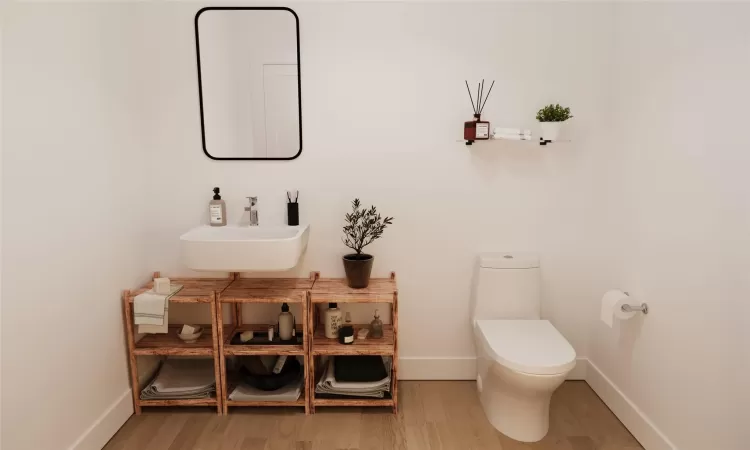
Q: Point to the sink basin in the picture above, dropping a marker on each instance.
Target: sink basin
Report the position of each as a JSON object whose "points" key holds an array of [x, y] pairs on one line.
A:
{"points": [[243, 249]]}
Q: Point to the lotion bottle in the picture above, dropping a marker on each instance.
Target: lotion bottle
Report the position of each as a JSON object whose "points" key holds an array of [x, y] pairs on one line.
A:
{"points": [[332, 321], [217, 210], [286, 323]]}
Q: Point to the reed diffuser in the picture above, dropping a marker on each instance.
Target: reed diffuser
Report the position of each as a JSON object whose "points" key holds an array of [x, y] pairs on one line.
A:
{"points": [[477, 129]]}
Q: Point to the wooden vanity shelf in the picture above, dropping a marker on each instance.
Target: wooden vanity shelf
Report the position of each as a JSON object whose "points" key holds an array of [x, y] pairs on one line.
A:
{"points": [[329, 290], [194, 290], [254, 291]]}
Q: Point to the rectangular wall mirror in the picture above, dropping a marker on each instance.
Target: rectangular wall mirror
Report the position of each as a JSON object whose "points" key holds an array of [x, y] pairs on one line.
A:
{"points": [[249, 82]]}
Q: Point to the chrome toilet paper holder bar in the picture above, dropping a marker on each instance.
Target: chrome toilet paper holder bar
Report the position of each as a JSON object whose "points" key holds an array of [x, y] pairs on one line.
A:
{"points": [[643, 307]]}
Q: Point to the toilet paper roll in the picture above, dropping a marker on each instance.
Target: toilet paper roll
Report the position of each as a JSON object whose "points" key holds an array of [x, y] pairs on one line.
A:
{"points": [[612, 302]]}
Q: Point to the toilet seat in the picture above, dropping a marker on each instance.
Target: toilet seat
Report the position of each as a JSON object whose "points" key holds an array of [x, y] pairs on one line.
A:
{"points": [[527, 346]]}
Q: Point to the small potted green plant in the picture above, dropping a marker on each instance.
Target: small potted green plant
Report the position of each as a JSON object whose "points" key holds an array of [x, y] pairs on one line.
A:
{"points": [[363, 227], [551, 118]]}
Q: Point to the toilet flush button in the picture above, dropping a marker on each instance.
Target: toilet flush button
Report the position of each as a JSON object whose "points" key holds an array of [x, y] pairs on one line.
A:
{"points": [[508, 256]]}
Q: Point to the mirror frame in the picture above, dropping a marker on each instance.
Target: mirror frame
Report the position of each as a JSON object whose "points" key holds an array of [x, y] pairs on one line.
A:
{"points": [[200, 82]]}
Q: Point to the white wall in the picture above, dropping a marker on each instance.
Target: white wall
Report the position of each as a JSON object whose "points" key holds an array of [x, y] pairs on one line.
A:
{"points": [[73, 235], [676, 204], [384, 103]]}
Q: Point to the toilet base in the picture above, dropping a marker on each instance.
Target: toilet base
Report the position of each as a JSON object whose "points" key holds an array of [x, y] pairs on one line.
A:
{"points": [[517, 404]]}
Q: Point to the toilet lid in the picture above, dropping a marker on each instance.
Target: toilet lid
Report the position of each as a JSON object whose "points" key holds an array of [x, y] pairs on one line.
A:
{"points": [[527, 346]]}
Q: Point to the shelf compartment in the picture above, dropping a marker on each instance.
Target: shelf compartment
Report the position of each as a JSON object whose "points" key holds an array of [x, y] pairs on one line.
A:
{"points": [[194, 290], [235, 381], [239, 350], [321, 345], [171, 344], [380, 290], [301, 401]]}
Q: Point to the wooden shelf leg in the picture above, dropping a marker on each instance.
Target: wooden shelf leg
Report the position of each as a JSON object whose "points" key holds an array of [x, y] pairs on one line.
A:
{"points": [[395, 349], [310, 376], [305, 347], [216, 333], [129, 335], [217, 323]]}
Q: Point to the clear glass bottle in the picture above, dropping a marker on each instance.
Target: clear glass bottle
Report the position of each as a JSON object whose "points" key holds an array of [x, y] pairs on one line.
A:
{"points": [[376, 327]]}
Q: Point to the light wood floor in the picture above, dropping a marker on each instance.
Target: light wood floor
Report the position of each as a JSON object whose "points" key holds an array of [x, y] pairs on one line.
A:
{"points": [[433, 415]]}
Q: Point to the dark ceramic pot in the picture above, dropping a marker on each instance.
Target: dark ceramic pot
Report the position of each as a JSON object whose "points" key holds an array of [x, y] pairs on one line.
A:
{"points": [[358, 269]]}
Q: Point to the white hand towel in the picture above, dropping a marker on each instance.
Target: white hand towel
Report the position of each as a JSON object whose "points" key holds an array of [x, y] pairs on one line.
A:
{"points": [[162, 329], [150, 310]]}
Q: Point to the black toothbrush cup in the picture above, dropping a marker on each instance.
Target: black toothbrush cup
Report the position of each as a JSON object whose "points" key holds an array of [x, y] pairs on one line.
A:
{"points": [[292, 209]]}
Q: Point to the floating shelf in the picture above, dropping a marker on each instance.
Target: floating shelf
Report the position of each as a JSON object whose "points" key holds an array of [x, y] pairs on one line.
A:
{"points": [[535, 142]]}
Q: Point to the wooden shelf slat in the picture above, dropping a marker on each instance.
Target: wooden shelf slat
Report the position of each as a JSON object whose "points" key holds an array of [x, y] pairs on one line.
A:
{"points": [[381, 287], [239, 295], [352, 298], [180, 402], [321, 345], [303, 284], [171, 344], [194, 290], [299, 402], [353, 402]]}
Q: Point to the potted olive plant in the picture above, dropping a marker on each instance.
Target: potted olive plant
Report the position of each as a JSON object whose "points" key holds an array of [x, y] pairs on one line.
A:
{"points": [[551, 118], [363, 227]]}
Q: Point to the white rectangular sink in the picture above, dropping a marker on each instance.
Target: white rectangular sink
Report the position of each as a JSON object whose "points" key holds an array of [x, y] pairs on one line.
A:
{"points": [[243, 249]]}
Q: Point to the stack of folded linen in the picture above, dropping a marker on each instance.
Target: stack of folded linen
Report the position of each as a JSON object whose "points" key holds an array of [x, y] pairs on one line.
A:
{"points": [[289, 393], [182, 379], [356, 376]]}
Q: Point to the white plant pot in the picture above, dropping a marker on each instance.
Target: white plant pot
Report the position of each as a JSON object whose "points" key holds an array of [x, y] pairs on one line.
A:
{"points": [[551, 130]]}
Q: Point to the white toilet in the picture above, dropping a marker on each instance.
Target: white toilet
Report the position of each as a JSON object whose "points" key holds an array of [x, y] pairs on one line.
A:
{"points": [[521, 359]]}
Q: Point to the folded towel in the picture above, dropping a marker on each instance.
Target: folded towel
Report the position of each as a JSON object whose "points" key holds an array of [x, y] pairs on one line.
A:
{"points": [[359, 368], [182, 378], [375, 389], [247, 393], [150, 310]]}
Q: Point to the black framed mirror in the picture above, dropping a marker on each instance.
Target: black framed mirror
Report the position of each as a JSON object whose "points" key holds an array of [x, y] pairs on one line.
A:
{"points": [[249, 85]]}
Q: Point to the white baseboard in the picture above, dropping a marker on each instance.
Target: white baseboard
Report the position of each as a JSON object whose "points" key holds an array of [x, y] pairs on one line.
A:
{"points": [[639, 425], [459, 368], [102, 430]]}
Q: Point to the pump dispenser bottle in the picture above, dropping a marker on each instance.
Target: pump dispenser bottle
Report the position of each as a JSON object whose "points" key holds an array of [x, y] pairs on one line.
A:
{"points": [[217, 210]]}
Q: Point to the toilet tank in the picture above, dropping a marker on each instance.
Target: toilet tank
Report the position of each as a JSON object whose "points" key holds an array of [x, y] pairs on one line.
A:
{"points": [[506, 286]]}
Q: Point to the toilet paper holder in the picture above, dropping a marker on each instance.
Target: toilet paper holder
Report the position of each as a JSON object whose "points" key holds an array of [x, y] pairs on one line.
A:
{"points": [[643, 307]]}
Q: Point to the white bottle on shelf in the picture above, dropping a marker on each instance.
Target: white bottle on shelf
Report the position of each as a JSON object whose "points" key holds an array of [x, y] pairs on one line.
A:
{"points": [[332, 321], [286, 323]]}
